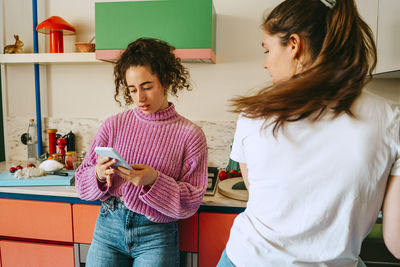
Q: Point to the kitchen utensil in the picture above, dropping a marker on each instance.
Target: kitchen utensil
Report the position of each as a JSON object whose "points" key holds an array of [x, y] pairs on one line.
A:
{"points": [[60, 173], [225, 188], [239, 186], [70, 137], [61, 142]]}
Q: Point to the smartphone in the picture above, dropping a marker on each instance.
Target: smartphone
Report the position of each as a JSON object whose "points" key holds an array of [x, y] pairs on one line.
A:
{"points": [[112, 153]]}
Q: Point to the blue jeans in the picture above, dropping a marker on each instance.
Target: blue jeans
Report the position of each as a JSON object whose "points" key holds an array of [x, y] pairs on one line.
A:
{"points": [[224, 261], [125, 238]]}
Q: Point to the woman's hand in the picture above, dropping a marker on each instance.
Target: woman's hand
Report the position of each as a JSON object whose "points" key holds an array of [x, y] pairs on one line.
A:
{"points": [[140, 175], [104, 170]]}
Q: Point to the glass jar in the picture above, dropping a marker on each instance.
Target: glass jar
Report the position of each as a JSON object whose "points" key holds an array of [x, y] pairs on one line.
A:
{"points": [[57, 157], [69, 165]]}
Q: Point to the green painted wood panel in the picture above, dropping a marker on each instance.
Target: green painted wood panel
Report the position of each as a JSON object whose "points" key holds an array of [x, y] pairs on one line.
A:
{"points": [[183, 23]]}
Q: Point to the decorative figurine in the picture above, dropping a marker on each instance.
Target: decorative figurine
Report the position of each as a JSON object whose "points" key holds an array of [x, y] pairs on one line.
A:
{"points": [[15, 48]]}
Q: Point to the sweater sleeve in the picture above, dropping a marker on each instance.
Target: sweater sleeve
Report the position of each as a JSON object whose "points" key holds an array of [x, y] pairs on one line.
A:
{"points": [[181, 199], [86, 183]]}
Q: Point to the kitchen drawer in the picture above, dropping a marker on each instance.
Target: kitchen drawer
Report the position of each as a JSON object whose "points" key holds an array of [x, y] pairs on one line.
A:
{"points": [[18, 253], [214, 230], [188, 233], [36, 219], [85, 217]]}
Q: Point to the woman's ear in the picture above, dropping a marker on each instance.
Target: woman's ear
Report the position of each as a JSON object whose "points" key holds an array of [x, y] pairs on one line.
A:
{"points": [[166, 88], [295, 45]]}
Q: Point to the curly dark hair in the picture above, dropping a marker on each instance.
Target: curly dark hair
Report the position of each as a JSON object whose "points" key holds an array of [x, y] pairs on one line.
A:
{"points": [[159, 56]]}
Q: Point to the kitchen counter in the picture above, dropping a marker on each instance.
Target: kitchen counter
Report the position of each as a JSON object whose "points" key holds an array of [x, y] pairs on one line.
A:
{"points": [[217, 200]]}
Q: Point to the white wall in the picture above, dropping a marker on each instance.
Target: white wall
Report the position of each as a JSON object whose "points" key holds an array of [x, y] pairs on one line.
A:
{"points": [[86, 90]]}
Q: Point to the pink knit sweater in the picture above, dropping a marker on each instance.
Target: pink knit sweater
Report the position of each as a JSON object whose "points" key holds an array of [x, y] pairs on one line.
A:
{"points": [[166, 141]]}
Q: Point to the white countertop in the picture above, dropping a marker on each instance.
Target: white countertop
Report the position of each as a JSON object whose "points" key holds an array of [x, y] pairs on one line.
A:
{"points": [[69, 191]]}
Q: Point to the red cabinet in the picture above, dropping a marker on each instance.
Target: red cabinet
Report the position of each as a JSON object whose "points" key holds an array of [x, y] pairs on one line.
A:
{"points": [[36, 219], [85, 217], [24, 221], [214, 229], [36, 233], [188, 234], [18, 253]]}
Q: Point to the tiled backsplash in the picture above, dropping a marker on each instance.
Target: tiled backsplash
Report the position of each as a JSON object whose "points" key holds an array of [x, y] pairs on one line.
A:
{"points": [[219, 136]]}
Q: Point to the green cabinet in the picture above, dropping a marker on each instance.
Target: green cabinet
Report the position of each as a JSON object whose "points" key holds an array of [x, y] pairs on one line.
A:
{"points": [[189, 25]]}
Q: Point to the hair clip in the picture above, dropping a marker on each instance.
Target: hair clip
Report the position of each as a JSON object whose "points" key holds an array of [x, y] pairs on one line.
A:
{"points": [[329, 3]]}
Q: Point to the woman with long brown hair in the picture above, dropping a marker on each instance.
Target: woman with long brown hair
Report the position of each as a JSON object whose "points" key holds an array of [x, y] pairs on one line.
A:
{"points": [[316, 151]]}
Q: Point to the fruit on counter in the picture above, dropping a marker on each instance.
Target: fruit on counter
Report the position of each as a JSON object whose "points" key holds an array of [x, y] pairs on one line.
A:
{"points": [[233, 173], [30, 165], [222, 175], [13, 169], [19, 167]]}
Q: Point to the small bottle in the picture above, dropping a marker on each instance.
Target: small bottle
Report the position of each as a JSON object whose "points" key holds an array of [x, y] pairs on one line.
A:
{"points": [[32, 141], [81, 157]]}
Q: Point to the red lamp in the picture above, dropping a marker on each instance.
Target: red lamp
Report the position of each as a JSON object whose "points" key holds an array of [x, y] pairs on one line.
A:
{"points": [[56, 27]]}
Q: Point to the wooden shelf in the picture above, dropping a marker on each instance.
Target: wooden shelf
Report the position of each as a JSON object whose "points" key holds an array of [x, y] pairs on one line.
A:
{"points": [[206, 55], [44, 58]]}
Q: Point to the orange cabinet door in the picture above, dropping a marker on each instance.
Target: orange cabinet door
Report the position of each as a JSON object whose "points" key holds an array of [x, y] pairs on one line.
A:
{"points": [[188, 233], [85, 217], [214, 229], [36, 219], [17, 253]]}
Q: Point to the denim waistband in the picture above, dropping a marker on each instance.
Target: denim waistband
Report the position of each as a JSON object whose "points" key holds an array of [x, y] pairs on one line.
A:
{"points": [[114, 203]]}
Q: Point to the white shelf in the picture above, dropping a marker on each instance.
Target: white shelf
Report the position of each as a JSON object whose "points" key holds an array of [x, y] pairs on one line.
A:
{"points": [[44, 58]]}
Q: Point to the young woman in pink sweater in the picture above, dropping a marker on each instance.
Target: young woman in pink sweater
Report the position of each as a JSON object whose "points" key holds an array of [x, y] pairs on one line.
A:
{"points": [[137, 223]]}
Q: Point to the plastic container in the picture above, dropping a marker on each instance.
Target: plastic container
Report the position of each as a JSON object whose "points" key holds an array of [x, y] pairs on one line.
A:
{"points": [[32, 141]]}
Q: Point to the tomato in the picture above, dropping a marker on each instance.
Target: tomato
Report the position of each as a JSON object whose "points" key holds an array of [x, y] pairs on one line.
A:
{"points": [[31, 165], [233, 173], [13, 169], [222, 175], [19, 167]]}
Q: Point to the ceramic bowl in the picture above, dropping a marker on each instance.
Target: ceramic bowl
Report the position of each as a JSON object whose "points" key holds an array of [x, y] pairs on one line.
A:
{"points": [[85, 47]]}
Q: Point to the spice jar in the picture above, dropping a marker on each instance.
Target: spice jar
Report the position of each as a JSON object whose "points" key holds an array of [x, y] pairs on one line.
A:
{"points": [[69, 165], [57, 157]]}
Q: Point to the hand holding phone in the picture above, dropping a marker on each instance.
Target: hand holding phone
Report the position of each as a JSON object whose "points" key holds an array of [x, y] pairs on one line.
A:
{"points": [[109, 152]]}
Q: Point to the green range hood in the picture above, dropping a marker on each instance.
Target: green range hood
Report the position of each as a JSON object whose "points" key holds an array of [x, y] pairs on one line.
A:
{"points": [[189, 25]]}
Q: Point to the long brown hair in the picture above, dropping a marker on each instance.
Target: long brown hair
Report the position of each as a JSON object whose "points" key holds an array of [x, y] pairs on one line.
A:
{"points": [[159, 56], [343, 55]]}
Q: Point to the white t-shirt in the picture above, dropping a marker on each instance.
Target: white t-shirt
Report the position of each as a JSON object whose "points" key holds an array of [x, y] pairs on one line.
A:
{"points": [[317, 188]]}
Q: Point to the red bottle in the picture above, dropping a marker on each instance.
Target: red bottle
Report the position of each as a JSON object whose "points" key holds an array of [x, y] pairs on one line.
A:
{"points": [[52, 140]]}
